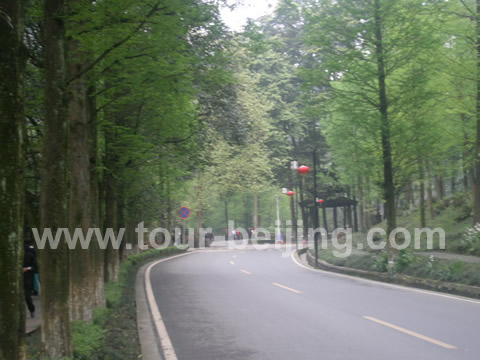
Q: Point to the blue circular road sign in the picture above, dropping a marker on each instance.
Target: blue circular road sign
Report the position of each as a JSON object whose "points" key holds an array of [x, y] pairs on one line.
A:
{"points": [[184, 212]]}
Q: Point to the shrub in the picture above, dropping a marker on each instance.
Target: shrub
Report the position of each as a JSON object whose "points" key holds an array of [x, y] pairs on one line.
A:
{"points": [[470, 242], [381, 263], [404, 259], [87, 340]]}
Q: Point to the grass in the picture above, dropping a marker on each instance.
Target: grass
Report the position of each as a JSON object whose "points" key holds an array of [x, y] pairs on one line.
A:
{"points": [[113, 333], [364, 262]]}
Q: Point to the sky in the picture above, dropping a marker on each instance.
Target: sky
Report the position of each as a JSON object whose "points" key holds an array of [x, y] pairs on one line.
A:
{"points": [[248, 9]]}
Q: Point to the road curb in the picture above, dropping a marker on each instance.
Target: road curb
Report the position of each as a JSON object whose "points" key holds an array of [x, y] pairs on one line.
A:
{"points": [[404, 280], [145, 328]]}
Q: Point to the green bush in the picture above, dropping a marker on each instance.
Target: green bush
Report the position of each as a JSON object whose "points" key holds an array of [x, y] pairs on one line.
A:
{"points": [[460, 201], [470, 241], [381, 262], [87, 340], [403, 260], [445, 270], [113, 293]]}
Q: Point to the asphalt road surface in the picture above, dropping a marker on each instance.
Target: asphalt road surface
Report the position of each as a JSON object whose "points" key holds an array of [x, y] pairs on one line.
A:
{"points": [[259, 305]]}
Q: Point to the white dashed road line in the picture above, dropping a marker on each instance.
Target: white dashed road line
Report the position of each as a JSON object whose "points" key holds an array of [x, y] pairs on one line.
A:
{"points": [[287, 288]]}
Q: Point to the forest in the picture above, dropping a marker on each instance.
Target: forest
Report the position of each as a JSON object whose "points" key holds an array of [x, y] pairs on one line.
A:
{"points": [[114, 113]]}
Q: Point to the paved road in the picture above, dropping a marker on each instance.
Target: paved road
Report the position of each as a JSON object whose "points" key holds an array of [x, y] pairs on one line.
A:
{"points": [[260, 305]]}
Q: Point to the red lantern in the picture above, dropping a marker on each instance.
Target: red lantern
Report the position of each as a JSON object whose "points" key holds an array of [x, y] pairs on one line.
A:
{"points": [[290, 193], [320, 201], [302, 170]]}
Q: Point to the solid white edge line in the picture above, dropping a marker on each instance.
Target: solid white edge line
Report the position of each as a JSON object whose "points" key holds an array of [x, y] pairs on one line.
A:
{"points": [[381, 283], [165, 342]]}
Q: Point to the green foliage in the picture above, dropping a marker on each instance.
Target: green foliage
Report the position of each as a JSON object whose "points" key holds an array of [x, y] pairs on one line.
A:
{"points": [[381, 262], [341, 35], [444, 270], [403, 260], [112, 293], [459, 202], [470, 242], [87, 340], [240, 210]]}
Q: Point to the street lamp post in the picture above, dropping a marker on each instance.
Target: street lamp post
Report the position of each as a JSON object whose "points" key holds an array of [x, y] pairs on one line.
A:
{"points": [[302, 171]]}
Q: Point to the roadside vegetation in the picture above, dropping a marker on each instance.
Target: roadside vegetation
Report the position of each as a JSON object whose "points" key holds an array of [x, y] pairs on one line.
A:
{"points": [[113, 332], [458, 262], [115, 113]]}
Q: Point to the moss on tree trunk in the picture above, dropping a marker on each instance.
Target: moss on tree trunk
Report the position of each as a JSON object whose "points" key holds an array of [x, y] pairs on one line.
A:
{"points": [[12, 308], [56, 339]]}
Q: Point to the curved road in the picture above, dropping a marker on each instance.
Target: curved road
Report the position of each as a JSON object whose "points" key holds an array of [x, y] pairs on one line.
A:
{"points": [[261, 305]]}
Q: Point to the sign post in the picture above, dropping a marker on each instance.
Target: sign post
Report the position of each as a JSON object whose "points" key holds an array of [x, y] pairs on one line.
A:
{"points": [[184, 213]]}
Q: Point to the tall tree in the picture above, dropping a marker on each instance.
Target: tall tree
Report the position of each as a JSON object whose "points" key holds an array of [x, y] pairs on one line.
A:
{"points": [[83, 274], [476, 193], [362, 49], [12, 184], [54, 188]]}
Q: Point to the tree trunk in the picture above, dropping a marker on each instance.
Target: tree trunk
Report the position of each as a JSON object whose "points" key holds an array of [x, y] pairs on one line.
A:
{"points": [[247, 215], [423, 222], [225, 203], [410, 195], [12, 184], [466, 166], [368, 205], [361, 207], [476, 187], [471, 179], [303, 209], [421, 174], [199, 220], [430, 199], [255, 210], [56, 338], [453, 184], [465, 181], [293, 219], [82, 261], [335, 221], [121, 219], [95, 215], [355, 215], [170, 220], [388, 184], [439, 187], [112, 258]]}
